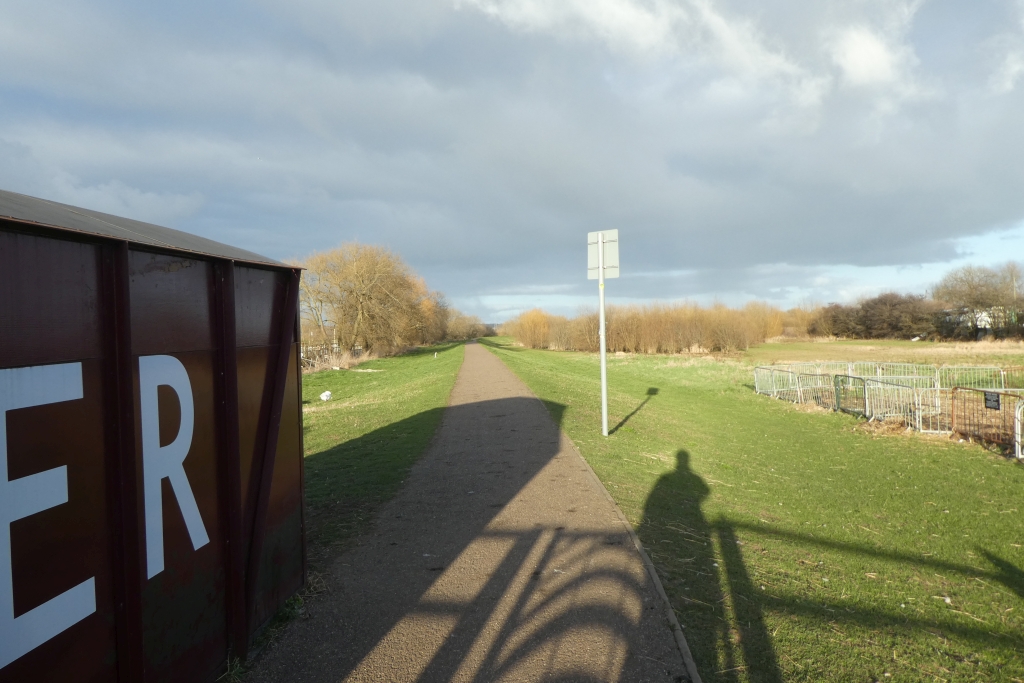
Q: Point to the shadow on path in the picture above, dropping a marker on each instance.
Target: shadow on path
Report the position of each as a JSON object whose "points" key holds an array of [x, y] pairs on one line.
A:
{"points": [[468, 574]]}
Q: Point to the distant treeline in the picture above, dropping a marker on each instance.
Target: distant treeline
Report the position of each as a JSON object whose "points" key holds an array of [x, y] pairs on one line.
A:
{"points": [[968, 303], [658, 328], [365, 297]]}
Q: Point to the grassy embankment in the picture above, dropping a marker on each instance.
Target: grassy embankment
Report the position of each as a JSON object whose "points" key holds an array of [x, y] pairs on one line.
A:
{"points": [[794, 545], [361, 444]]}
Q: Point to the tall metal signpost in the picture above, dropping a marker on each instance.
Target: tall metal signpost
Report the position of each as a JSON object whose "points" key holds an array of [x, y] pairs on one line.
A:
{"points": [[603, 262]]}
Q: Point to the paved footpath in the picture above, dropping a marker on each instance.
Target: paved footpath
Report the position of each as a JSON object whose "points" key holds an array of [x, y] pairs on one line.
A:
{"points": [[502, 559]]}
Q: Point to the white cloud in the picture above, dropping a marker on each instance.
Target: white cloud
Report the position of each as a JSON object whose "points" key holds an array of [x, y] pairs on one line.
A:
{"points": [[482, 140], [119, 199], [1005, 78], [38, 171], [1011, 65], [641, 28], [694, 31], [865, 58]]}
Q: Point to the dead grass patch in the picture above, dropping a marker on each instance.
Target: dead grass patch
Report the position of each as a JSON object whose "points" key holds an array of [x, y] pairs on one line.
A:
{"points": [[342, 360]]}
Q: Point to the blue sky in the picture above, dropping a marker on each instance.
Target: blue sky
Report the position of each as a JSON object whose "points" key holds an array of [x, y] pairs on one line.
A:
{"points": [[780, 150]]}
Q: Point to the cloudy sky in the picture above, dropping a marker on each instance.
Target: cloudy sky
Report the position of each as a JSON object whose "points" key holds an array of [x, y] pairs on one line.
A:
{"points": [[773, 149]]}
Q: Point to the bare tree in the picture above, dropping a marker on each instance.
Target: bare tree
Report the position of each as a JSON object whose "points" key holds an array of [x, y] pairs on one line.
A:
{"points": [[462, 326], [370, 298], [316, 296], [971, 292], [1011, 288]]}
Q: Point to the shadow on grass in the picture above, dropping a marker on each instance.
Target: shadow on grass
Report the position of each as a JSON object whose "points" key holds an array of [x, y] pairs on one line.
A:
{"points": [[346, 484], [723, 611], [1009, 574], [724, 645], [653, 391], [504, 347]]}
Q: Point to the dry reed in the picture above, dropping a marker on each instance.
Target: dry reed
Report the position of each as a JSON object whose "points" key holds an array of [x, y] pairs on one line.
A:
{"points": [[654, 328]]}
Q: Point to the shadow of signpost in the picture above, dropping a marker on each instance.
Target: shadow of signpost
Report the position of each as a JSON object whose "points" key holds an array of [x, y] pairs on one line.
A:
{"points": [[653, 391], [1009, 575]]}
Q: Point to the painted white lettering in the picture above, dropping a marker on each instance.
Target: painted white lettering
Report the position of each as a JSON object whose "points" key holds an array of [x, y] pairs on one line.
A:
{"points": [[166, 462], [20, 498]]}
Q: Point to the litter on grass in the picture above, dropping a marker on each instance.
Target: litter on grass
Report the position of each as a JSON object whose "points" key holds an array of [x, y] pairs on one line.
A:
{"points": [[326, 396]]}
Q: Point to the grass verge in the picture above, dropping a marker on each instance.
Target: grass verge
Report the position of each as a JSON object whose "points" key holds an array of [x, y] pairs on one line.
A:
{"points": [[797, 545], [359, 447], [361, 443]]}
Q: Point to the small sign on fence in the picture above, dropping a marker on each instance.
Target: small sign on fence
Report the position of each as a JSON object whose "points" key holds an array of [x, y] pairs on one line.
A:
{"points": [[991, 400]]}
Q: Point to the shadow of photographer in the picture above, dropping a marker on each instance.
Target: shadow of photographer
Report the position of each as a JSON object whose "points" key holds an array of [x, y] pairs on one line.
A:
{"points": [[722, 617]]}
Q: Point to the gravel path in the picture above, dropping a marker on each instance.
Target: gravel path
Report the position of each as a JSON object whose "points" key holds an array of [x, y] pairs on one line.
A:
{"points": [[502, 559]]}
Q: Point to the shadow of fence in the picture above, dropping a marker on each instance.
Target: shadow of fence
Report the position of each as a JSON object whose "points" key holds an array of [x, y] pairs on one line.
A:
{"points": [[702, 565]]}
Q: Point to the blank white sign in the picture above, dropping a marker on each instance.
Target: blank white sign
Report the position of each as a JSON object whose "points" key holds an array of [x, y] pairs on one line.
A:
{"points": [[611, 254]]}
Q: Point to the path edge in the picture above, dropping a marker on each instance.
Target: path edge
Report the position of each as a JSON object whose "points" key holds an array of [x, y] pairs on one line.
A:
{"points": [[677, 629], [670, 613], [673, 620]]}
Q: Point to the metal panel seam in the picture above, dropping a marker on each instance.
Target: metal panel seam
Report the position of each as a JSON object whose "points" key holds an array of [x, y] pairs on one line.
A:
{"points": [[230, 460], [128, 528], [285, 332]]}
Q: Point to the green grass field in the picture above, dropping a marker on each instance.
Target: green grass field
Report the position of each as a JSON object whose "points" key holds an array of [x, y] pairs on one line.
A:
{"points": [[797, 545], [361, 444]]}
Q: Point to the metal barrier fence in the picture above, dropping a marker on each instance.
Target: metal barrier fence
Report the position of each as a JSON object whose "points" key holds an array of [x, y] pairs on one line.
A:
{"points": [[862, 369], [988, 405], [977, 377], [1019, 430], [934, 411], [818, 390], [944, 377], [851, 395], [314, 354], [889, 401], [1013, 378], [771, 381], [986, 415]]}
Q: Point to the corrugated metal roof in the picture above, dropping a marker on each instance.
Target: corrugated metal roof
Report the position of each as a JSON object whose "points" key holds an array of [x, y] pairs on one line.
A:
{"points": [[43, 212]]}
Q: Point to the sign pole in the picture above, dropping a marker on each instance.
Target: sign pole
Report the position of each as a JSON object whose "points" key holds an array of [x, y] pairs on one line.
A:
{"points": [[604, 349], [603, 264]]}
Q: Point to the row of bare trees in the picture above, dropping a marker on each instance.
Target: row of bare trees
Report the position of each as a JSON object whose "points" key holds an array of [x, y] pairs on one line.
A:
{"points": [[968, 303], [365, 297], [361, 296], [657, 328]]}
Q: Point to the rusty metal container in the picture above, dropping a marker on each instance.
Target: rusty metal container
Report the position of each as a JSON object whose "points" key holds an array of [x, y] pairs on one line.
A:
{"points": [[151, 476]]}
